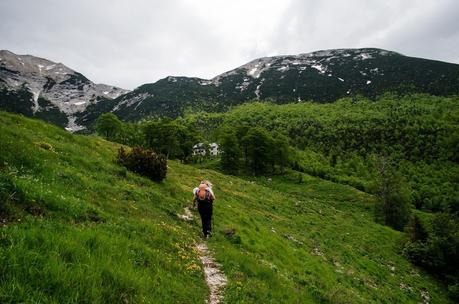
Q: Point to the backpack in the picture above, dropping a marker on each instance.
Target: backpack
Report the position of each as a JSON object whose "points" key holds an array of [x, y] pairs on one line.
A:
{"points": [[203, 194]]}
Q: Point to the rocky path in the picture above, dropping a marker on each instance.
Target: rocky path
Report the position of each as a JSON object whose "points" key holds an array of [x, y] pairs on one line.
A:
{"points": [[215, 278]]}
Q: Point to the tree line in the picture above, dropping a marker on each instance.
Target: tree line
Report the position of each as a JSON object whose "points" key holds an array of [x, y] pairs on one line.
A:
{"points": [[172, 138]]}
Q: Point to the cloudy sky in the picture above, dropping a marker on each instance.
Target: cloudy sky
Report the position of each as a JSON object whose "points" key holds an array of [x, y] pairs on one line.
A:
{"points": [[128, 43]]}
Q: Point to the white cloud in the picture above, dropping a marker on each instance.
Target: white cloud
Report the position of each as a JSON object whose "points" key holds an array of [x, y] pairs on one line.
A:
{"points": [[128, 43]]}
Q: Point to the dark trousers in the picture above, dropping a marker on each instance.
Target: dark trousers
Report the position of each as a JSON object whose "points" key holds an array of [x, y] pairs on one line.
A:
{"points": [[205, 211]]}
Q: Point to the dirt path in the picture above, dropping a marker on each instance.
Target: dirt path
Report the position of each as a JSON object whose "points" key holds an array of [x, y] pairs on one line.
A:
{"points": [[215, 278]]}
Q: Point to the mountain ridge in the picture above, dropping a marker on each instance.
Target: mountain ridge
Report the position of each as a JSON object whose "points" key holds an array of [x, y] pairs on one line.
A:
{"points": [[70, 99], [321, 76]]}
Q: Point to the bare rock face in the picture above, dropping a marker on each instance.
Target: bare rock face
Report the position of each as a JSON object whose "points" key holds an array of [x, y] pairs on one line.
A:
{"points": [[55, 85]]}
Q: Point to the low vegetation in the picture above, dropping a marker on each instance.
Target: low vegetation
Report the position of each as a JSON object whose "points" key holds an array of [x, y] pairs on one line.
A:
{"points": [[144, 162], [78, 227], [415, 138]]}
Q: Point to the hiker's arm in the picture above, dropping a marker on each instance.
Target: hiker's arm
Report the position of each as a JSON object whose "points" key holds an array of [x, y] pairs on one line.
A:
{"points": [[212, 195]]}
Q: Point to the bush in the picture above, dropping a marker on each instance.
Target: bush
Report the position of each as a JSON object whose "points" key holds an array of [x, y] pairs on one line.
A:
{"points": [[144, 162], [438, 250]]}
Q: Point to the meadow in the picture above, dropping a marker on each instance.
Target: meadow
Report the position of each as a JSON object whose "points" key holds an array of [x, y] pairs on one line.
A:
{"points": [[79, 228]]}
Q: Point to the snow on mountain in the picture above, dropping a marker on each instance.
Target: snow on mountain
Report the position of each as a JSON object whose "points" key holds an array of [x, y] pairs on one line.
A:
{"points": [[321, 76], [321, 61], [35, 85], [68, 90]]}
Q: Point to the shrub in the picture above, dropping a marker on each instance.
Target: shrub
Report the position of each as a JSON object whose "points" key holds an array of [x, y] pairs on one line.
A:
{"points": [[144, 162], [45, 145]]}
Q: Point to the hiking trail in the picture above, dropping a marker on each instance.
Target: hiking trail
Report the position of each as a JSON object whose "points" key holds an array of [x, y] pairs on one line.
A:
{"points": [[215, 278]]}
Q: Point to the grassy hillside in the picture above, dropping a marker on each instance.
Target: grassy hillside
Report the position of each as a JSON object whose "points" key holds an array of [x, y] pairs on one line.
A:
{"points": [[76, 227]]}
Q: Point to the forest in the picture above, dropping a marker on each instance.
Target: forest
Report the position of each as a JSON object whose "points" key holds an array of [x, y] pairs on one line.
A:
{"points": [[402, 149]]}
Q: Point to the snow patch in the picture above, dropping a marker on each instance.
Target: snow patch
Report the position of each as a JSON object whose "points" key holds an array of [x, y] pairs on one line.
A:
{"points": [[205, 82], [79, 103], [131, 101], [376, 71], [257, 67], [340, 79], [319, 68], [253, 71], [368, 81], [243, 86], [36, 94], [72, 126], [283, 68], [257, 90], [363, 56]]}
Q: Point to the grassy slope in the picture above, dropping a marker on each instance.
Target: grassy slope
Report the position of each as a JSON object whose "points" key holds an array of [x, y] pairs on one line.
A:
{"points": [[84, 230], [101, 237]]}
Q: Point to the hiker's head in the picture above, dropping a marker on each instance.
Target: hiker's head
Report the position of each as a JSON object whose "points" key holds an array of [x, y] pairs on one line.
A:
{"points": [[206, 182]]}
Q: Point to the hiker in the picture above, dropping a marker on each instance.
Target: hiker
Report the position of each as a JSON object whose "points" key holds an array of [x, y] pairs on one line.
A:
{"points": [[204, 197]]}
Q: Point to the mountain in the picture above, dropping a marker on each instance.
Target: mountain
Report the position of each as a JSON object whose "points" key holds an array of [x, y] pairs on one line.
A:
{"points": [[39, 87], [51, 91], [322, 76]]}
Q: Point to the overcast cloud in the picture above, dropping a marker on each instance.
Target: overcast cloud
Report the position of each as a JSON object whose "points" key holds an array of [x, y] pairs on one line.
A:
{"points": [[129, 43]]}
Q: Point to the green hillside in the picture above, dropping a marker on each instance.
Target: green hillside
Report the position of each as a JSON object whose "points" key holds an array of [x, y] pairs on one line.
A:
{"points": [[78, 228], [343, 140]]}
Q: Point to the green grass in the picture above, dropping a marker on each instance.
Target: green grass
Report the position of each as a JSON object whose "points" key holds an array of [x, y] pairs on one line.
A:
{"points": [[96, 233], [81, 229]]}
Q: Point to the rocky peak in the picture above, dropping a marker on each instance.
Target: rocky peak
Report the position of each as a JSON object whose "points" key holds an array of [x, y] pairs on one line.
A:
{"points": [[66, 89]]}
